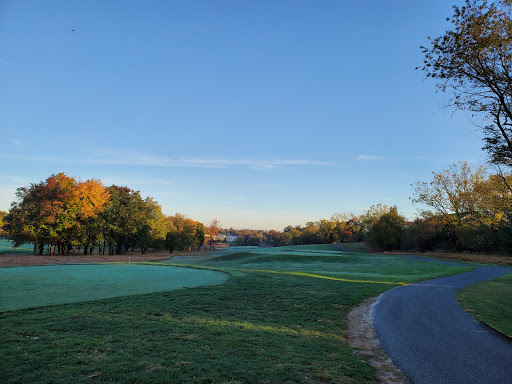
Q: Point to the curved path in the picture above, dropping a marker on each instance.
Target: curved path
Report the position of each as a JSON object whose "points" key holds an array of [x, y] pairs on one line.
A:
{"points": [[432, 339]]}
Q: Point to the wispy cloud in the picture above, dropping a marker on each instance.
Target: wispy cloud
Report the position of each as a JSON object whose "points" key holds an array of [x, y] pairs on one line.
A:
{"points": [[263, 213], [134, 179], [399, 175], [231, 198], [375, 157], [129, 158], [267, 186], [175, 194], [12, 181]]}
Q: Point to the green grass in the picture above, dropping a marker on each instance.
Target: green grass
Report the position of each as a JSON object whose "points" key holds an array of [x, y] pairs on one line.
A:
{"points": [[330, 262], [6, 247], [25, 287], [280, 318], [490, 302], [355, 247]]}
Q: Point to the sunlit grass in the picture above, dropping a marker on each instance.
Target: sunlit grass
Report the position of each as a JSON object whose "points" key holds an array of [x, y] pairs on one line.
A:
{"points": [[490, 302], [275, 320], [258, 327]]}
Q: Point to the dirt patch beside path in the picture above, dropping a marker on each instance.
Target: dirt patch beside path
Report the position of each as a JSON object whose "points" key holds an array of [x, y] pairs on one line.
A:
{"points": [[362, 337]]}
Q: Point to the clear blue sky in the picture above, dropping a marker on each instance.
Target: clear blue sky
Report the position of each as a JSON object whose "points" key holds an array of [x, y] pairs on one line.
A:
{"points": [[259, 113]]}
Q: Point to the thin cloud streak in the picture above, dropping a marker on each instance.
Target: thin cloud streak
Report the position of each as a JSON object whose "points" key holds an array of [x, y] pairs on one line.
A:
{"points": [[231, 198], [271, 213], [154, 161], [267, 186], [374, 157], [127, 180]]}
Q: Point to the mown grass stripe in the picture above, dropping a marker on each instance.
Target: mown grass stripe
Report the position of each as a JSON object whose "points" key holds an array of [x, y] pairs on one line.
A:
{"points": [[294, 273]]}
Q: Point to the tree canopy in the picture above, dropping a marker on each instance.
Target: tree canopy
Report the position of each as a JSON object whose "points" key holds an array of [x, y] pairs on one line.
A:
{"points": [[67, 215], [473, 59]]}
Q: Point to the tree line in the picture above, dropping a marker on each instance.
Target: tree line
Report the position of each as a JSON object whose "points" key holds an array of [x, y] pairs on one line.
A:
{"points": [[461, 210], [65, 216]]}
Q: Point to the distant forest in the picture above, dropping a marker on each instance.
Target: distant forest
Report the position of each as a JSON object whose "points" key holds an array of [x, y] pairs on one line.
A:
{"points": [[461, 210]]}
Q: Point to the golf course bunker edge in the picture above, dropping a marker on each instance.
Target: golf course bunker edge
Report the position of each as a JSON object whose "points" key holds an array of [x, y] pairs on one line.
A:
{"points": [[39, 286]]}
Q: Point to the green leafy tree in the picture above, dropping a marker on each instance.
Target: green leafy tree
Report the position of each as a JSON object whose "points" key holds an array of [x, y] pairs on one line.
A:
{"points": [[188, 234], [327, 233], [171, 236], [371, 216], [458, 190], [22, 223], [152, 231], [199, 235], [183, 233], [126, 214], [387, 232], [2, 222]]}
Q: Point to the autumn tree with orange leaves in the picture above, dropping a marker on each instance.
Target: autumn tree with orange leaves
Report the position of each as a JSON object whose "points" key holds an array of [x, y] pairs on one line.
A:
{"points": [[56, 212], [67, 215]]}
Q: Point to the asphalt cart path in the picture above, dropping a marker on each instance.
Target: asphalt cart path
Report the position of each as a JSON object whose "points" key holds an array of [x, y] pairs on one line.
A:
{"points": [[432, 339]]}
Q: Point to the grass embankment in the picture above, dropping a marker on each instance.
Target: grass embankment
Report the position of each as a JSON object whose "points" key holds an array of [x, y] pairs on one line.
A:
{"points": [[490, 302], [278, 319]]}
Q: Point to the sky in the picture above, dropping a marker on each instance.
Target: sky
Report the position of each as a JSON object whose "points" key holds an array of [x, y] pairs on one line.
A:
{"points": [[261, 114]]}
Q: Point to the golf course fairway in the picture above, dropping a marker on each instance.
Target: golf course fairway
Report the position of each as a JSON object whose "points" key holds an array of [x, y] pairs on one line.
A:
{"points": [[26, 287]]}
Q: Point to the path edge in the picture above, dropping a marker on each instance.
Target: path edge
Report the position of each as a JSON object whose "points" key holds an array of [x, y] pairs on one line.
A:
{"points": [[362, 338]]}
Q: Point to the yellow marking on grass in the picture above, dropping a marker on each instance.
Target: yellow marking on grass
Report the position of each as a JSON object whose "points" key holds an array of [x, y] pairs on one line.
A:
{"points": [[319, 276], [294, 273], [257, 327]]}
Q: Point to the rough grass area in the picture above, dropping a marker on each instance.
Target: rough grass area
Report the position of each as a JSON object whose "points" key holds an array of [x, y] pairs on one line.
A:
{"points": [[6, 248], [490, 302], [26, 287], [480, 258], [279, 319]]}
